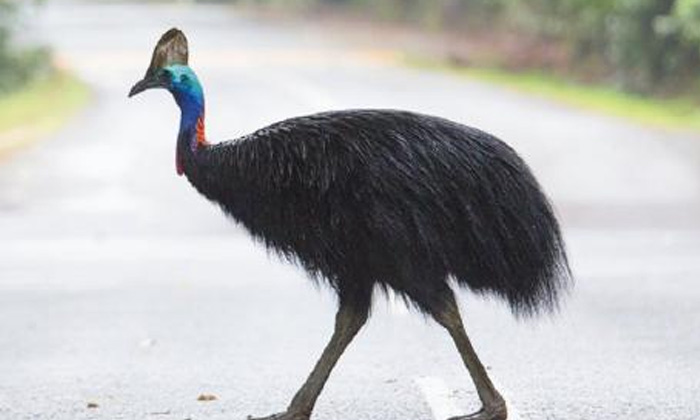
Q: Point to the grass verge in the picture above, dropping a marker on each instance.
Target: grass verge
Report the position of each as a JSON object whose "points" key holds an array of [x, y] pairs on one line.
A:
{"points": [[674, 114], [39, 109]]}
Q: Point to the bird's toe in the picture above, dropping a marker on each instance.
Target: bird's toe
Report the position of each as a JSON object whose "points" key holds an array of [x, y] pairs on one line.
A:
{"points": [[282, 416], [496, 412]]}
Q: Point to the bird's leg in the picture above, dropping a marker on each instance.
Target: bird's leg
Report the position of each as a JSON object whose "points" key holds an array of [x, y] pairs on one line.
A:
{"points": [[348, 322], [493, 404]]}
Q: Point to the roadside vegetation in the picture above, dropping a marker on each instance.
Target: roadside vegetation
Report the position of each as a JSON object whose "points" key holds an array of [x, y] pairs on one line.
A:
{"points": [[35, 97], [680, 112], [39, 108], [633, 58], [18, 65]]}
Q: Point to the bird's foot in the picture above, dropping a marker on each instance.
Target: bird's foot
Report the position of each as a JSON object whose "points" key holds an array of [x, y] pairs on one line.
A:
{"points": [[496, 411], [287, 415]]}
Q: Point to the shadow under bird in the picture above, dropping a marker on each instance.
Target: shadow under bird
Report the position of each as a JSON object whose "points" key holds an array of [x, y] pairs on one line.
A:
{"points": [[378, 199]]}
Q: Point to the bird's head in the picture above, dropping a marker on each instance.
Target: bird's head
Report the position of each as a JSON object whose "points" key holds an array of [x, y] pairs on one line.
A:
{"points": [[169, 70]]}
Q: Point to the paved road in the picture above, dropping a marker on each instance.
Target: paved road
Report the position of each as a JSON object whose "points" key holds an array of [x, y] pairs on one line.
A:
{"points": [[120, 286]]}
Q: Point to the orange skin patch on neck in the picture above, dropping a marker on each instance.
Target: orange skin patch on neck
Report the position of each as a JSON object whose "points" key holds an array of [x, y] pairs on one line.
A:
{"points": [[201, 140]]}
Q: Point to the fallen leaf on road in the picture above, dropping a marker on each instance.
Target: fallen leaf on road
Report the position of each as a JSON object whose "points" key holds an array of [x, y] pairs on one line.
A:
{"points": [[207, 397]]}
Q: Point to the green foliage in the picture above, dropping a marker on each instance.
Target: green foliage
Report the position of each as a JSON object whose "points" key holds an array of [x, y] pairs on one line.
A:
{"points": [[647, 46], [684, 20], [17, 66]]}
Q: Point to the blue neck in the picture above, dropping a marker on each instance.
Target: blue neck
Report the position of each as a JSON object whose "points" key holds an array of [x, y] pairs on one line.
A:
{"points": [[189, 95], [191, 108]]}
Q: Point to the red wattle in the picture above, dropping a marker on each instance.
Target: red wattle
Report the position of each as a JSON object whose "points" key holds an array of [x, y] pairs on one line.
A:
{"points": [[179, 166]]}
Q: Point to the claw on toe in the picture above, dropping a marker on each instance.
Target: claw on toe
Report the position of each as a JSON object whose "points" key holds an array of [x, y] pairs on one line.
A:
{"points": [[281, 416], [497, 412]]}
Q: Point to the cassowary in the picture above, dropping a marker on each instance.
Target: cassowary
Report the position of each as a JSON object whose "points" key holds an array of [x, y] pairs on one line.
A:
{"points": [[367, 198]]}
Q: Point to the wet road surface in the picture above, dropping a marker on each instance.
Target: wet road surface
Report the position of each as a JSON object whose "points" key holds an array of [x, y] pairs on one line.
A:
{"points": [[119, 285]]}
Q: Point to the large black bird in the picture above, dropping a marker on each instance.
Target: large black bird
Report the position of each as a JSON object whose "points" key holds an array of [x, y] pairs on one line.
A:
{"points": [[367, 198]]}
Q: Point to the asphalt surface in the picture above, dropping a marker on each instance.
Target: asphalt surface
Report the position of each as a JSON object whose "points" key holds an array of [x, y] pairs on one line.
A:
{"points": [[120, 286]]}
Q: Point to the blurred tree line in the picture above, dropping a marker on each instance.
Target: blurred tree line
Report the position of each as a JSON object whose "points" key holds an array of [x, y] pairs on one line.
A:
{"points": [[647, 46], [18, 65]]}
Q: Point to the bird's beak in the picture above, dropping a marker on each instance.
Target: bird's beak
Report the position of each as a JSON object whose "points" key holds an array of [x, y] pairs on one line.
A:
{"points": [[148, 82]]}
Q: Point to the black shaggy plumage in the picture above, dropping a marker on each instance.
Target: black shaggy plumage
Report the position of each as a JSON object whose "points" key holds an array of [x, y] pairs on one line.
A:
{"points": [[391, 198]]}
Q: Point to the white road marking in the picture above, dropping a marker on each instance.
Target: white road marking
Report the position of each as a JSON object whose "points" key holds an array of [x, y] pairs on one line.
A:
{"points": [[438, 397], [441, 401]]}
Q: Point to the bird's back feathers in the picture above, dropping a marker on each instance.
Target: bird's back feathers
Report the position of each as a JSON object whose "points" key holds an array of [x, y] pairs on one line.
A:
{"points": [[393, 198]]}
